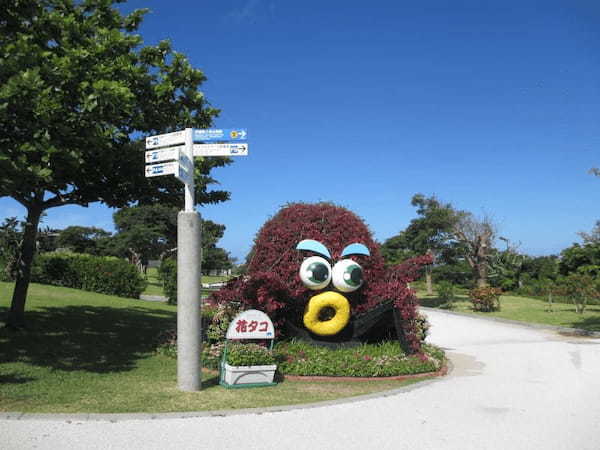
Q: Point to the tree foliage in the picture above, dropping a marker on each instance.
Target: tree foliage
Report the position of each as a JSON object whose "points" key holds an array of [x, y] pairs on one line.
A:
{"points": [[150, 232], [445, 233], [76, 86], [579, 258], [80, 239], [429, 233], [10, 241]]}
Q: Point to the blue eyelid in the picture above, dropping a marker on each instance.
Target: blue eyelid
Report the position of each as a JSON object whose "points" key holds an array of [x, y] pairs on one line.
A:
{"points": [[356, 249], [313, 246]]}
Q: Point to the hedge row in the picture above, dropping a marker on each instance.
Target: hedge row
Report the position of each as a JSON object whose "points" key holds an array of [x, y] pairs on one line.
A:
{"points": [[106, 275]]}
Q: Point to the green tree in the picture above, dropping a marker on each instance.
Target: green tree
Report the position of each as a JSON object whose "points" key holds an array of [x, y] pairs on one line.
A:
{"points": [[215, 258], [144, 232], [77, 89], [150, 232], [579, 288], [541, 267], [580, 259], [80, 239], [396, 249], [429, 233]]}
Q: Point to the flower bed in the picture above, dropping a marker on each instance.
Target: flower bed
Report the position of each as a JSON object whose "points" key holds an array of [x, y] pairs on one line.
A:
{"points": [[370, 360], [300, 358]]}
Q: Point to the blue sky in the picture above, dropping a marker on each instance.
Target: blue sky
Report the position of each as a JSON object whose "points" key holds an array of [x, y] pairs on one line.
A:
{"points": [[492, 106]]}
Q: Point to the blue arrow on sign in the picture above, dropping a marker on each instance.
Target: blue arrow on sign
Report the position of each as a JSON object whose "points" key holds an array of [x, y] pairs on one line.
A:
{"points": [[219, 134]]}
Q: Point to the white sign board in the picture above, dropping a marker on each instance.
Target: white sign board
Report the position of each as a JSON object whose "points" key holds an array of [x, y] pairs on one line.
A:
{"points": [[156, 170], [165, 140], [251, 324], [163, 154], [220, 149]]}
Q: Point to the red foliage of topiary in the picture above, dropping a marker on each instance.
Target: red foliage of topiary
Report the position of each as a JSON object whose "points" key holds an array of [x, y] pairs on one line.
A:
{"points": [[273, 285]]}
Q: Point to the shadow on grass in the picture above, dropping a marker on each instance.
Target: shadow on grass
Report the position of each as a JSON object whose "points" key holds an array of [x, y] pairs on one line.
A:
{"points": [[14, 378], [210, 380], [589, 323], [88, 338], [436, 302]]}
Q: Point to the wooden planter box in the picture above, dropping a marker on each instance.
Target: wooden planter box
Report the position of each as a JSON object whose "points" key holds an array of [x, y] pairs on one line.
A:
{"points": [[249, 375]]}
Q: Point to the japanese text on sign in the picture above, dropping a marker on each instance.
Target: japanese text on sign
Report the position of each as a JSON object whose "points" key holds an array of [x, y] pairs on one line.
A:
{"points": [[251, 324]]}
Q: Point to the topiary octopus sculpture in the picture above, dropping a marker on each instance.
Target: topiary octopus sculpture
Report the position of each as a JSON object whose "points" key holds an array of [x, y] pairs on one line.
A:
{"points": [[317, 272]]}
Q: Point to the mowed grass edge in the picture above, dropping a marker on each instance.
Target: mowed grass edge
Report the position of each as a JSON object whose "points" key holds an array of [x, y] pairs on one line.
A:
{"points": [[93, 353], [524, 309]]}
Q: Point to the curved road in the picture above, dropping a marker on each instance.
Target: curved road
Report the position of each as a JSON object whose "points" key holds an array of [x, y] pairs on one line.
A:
{"points": [[512, 387]]}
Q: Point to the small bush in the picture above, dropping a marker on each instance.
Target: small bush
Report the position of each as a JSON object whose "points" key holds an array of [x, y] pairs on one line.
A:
{"points": [[445, 290], [239, 354], [485, 299], [167, 272], [106, 275]]}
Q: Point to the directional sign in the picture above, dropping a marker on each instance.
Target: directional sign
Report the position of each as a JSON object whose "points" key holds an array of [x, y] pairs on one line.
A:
{"points": [[219, 134], [163, 154], [156, 170], [165, 140], [221, 149]]}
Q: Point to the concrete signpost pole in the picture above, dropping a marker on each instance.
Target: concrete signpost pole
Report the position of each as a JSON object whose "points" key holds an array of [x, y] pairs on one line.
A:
{"points": [[188, 284], [162, 150]]}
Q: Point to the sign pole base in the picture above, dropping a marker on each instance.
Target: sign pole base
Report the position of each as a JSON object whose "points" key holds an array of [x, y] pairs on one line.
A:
{"points": [[189, 333]]}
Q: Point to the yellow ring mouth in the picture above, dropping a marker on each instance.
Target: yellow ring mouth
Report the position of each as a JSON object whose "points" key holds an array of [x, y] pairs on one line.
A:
{"points": [[313, 313]]}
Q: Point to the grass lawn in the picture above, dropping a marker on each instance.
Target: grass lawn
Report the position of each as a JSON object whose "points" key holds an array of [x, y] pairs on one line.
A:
{"points": [[92, 353], [525, 309], [155, 286]]}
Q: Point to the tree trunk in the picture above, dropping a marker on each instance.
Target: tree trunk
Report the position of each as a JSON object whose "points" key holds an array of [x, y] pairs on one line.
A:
{"points": [[481, 266], [16, 315], [428, 280], [481, 274], [428, 269]]}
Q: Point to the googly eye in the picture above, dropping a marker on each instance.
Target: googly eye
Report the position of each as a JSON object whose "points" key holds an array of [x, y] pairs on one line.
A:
{"points": [[315, 272], [347, 275]]}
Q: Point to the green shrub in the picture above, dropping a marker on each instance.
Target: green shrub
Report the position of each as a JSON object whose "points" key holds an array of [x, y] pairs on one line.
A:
{"points": [[167, 272], [106, 275], [445, 290], [485, 299], [239, 354]]}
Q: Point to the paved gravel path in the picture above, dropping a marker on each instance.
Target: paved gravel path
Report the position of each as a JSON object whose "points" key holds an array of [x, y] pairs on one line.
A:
{"points": [[511, 388]]}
